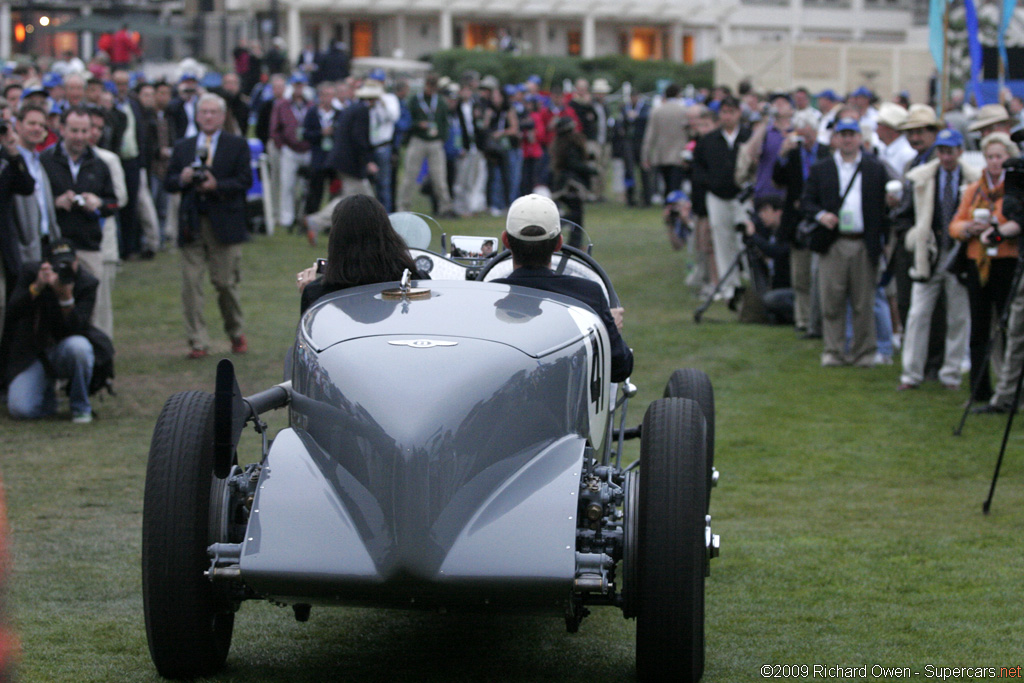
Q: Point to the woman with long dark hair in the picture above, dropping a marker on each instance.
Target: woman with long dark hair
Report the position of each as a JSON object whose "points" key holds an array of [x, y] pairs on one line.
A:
{"points": [[571, 173], [362, 249]]}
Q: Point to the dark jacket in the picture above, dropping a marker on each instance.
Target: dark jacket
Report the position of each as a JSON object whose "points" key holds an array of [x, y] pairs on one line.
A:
{"points": [[225, 207], [714, 164], [352, 151], [822, 193], [587, 292], [177, 114], [14, 179], [36, 325], [312, 132], [788, 174], [83, 229], [332, 65]]}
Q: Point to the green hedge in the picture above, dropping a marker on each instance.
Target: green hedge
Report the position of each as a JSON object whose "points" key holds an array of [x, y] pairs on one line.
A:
{"points": [[510, 68]]}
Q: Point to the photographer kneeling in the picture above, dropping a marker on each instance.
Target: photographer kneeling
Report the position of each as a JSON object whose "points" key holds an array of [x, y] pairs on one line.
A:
{"points": [[768, 252], [49, 317]]}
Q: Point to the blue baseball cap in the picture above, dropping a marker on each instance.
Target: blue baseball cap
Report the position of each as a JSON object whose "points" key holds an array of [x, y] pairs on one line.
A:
{"points": [[830, 94], [847, 124], [298, 77], [212, 79], [34, 90], [676, 196], [511, 89], [378, 75], [862, 92], [188, 76], [949, 137], [534, 78], [52, 80]]}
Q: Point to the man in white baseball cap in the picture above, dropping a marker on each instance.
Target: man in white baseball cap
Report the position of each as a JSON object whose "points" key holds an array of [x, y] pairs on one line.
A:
{"points": [[533, 232]]}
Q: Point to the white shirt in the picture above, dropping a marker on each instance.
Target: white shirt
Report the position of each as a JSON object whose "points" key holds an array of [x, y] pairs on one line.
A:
{"points": [[190, 113], [730, 138], [897, 153], [851, 213], [36, 169], [383, 115]]}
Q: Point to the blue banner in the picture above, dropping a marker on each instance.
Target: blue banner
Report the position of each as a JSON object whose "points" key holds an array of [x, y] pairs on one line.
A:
{"points": [[936, 32], [1008, 7], [974, 50]]}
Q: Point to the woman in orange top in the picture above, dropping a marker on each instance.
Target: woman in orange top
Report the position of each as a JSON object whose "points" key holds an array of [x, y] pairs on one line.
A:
{"points": [[992, 261]]}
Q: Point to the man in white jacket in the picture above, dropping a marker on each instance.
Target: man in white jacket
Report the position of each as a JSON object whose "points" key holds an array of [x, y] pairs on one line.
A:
{"points": [[103, 314], [936, 187]]}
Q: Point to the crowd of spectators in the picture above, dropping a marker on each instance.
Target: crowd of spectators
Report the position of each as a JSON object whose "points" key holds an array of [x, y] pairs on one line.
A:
{"points": [[123, 168]]}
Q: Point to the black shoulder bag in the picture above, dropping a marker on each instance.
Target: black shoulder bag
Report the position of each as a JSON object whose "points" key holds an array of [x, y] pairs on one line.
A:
{"points": [[817, 237]]}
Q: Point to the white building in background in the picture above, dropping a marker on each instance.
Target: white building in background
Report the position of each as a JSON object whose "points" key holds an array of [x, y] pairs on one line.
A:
{"points": [[676, 30]]}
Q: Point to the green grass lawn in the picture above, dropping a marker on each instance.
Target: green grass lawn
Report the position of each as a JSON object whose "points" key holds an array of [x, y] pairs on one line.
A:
{"points": [[851, 523]]}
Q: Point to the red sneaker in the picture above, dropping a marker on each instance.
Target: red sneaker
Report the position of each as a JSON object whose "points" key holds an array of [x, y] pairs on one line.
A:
{"points": [[238, 345], [196, 354]]}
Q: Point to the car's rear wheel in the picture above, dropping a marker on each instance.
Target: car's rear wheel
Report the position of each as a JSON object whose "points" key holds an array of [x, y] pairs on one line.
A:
{"points": [[696, 385], [189, 620], [670, 548]]}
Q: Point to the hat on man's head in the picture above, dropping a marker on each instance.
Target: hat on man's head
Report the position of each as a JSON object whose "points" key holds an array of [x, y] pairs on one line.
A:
{"points": [[52, 80], [370, 90], [298, 77], [533, 210], [34, 90], [535, 79], [601, 86], [892, 115], [949, 137], [921, 116], [188, 76], [830, 94], [490, 82], [780, 95], [862, 91], [989, 115], [846, 124], [378, 75]]}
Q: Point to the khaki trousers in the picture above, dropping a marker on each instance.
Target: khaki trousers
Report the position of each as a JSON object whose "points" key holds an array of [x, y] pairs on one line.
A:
{"points": [[1013, 355], [923, 297], [103, 312], [433, 152], [845, 274], [800, 271], [224, 262], [724, 215]]}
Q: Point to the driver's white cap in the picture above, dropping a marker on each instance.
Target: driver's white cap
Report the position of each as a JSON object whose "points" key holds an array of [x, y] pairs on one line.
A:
{"points": [[530, 210]]}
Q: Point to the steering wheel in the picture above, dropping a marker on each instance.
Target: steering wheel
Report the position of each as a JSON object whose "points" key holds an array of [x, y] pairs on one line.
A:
{"points": [[567, 253]]}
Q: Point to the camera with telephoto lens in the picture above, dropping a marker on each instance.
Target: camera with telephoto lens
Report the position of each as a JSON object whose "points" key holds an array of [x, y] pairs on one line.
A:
{"points": [[61, 261], [1013, 202]]}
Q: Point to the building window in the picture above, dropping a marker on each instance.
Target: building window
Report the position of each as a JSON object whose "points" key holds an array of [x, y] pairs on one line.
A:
{"points": [[481, 35], [645, 43], [362, 38], [575, 40]]}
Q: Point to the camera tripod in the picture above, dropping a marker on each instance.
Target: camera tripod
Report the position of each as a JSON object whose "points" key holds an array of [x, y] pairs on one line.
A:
{"points": [[1004, 319], [736, 263]]}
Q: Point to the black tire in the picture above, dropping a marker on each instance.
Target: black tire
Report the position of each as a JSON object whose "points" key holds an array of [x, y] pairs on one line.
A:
{"points": [[189, 620], [671, 553], [696, 385]]}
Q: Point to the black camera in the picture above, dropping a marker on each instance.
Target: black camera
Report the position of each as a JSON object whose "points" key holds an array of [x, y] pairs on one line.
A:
{"points": [[746, 192], [61, 260], [199, 169], [4, 128], [1014, 184]]}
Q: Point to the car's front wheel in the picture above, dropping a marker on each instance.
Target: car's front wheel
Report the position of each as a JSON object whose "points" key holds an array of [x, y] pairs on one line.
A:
{"points": [[189, 620], [670, 550]]}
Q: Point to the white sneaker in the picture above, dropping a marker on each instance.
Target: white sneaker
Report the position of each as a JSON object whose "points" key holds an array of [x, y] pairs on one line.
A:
{"points": [[882, 359], [81, 418]]}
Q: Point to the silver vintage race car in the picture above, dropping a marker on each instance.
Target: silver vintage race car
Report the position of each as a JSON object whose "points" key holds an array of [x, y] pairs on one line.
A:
{"points": [[452, 444]]}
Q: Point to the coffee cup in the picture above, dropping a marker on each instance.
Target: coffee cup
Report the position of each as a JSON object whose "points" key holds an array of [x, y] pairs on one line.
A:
{"points": [[894, 188]]}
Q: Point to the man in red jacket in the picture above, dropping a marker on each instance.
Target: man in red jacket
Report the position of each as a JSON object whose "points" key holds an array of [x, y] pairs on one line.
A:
{"points": [[123, 49]]}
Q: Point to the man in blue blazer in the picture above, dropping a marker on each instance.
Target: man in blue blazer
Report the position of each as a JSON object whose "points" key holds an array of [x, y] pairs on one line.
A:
{"points": [[211, 171]]}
